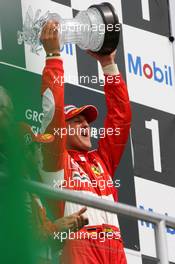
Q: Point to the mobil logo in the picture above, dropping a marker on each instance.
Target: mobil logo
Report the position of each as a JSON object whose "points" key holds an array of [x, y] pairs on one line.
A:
{"points": [[151, 71], [68, 49], [146, 224]]}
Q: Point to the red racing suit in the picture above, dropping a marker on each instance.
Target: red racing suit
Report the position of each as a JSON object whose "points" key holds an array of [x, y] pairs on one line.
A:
{"points": [[88, 172]]}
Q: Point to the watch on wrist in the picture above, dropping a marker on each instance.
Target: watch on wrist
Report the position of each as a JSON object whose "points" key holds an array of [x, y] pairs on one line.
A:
{"points": [[49, 55]]}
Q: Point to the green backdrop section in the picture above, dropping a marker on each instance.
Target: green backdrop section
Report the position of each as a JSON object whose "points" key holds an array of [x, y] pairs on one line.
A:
{"points": [[24, 89], [17, 242]]}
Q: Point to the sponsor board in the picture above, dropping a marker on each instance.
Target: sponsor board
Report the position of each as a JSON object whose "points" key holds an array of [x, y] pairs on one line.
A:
{"points": [[147, 15], [150, 72], [153, 133], [133, 256], [154, 197]]}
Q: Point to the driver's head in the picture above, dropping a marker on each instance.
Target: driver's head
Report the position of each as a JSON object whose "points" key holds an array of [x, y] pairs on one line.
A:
{"points": [[78, 128]]}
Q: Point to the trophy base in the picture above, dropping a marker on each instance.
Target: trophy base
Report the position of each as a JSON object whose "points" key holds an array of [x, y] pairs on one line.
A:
{"points": [[112, 26]]}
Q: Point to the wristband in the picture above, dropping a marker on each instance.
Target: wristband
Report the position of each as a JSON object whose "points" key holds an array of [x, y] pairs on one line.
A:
{"points": [[49, 55], [111, 69]]}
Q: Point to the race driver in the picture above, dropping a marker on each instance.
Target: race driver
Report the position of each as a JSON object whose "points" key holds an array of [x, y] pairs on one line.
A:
{"points": [[69, 160]]}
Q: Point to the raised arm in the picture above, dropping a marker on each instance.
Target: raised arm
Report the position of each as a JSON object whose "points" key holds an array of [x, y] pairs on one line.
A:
{"points": [[118, 119], [53, 107]]}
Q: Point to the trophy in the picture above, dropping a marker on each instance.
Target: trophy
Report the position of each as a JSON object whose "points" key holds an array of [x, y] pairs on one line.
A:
{"points": [[96, 29]]}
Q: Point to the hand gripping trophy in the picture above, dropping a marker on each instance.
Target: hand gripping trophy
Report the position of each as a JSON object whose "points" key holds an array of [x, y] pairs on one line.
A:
{"points": [[96, 29]]}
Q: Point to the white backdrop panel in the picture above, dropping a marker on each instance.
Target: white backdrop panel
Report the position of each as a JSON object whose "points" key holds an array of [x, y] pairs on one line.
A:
{"points": [[152, 52], [160, 199]]}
